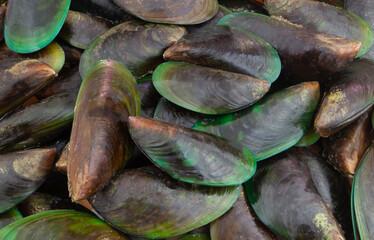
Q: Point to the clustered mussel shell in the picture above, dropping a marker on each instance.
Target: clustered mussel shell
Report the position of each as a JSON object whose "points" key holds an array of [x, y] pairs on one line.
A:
{"points": [[186, 120]]}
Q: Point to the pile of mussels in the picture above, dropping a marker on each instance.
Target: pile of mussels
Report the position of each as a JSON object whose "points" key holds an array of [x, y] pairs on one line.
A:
{"points": [[186, 119]]}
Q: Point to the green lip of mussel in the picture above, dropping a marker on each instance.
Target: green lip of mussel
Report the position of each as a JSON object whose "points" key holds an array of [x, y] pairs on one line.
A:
{"points": [[182, 12], [230, 49], [20, 79], [136, 44], [60, 225], [164, 208], [192, 156], [362, 196], [351, 95], [9, 216], [274, 124], [324, 18], [100, 143], [207, 90], [31, 25], [22, 173]]}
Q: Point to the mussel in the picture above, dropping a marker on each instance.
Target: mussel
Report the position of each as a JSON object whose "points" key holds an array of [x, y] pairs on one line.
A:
{"points": [[9, 216]]}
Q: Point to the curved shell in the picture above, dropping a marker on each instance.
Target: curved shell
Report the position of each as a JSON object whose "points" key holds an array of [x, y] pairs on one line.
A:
{"points": [[272, 125], [159, 206], [348, 98], [149, 97], [171, 11], [192, 156], [60, 225], [319, 55], [30, 27], [99, 143], [324, 18], [228, 49], [81, 29], [137, 45], [9, 216], [22, 173], [310, 137], [207, 90], [20, 79]]}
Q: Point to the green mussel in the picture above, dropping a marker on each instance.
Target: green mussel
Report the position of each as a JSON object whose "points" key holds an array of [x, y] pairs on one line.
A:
{"points": [[192, 156], [351, 95], [22, 173], [30, 25], [207, 90], [100, 143], [170, 11], [137, 45], [309, 138], [20, 79], [228, 49], [60, 225], [324, 18], [81, 29], [196, 236], [306, 55], [272, 125], [299, 196], [9, 216], [158, 206]]}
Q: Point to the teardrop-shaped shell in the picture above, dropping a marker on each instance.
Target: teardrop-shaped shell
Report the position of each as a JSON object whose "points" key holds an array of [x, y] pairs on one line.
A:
{"points": [[351, 95], [100, 143], [192, 156], [240, 222], [22, 173], [31, 25], [137, 45], [362, 195], [60, 225], [207, 90], [318, 55], [284, 197], [324, 18], [158, 206], [20, 79], [344, 149], [9, 216], [171, 11], [272, 125], [81, 29], [228, 49]]}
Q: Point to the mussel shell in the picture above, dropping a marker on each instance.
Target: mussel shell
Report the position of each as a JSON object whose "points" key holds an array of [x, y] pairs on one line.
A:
{"points": [[183, 12], [72, 54], [272, 125], [137, 45], [196, 236], [192, 156], [204, 230], [310, 137], [62, 162], [31, 25], [36, 124], [149, 97], [284, 197], [9, 216], [207, 90], [351, 95], [344, 149], [100, 143], [60, 225], [22, 173], [318, 55], [362, 195], [324, 18], [228, 49], [240, 222], [158, 206], [20, 79], [242, 6], [170, 112], [81, 29]]}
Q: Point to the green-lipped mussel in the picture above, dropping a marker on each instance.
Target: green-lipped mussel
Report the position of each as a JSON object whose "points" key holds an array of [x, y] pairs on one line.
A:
{"points": [[9, 216]]}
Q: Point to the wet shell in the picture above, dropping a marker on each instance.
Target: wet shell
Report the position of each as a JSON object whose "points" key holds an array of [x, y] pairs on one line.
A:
{"points": [[192, 156], [8, 217], [137, 45], [159, 206], [100, 143], [149, 97], [274, 124], [171, 11], [196, 236], [207, 90]]}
